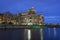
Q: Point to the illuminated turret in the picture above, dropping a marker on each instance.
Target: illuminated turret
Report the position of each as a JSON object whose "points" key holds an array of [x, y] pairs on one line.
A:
{"points": [[1, 18], [41, 19]]}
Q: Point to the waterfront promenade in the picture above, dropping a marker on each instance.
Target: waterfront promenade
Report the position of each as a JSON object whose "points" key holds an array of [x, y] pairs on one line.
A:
{"points": [[28, 26]]}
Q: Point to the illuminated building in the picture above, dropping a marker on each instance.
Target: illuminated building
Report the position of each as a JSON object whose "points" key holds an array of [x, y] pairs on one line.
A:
{"points": [[33, 19], [24, 18], [1, 18], [7, 17]]}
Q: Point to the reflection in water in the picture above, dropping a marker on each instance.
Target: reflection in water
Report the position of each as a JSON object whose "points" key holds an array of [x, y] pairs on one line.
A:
{"points": [[54, 32], [41, 33], [49, 31], [29, 34], [18, 34]]}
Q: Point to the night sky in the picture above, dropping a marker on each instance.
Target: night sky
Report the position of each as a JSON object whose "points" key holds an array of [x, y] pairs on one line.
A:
{"points": [[50, 8]]}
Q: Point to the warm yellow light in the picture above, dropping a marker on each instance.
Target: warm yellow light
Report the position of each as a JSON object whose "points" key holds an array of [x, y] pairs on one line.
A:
{"points": [[0, 19]]}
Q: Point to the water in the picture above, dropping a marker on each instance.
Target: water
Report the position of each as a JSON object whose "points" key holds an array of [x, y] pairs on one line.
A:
{"points": [[18, 34], [53, 35]]}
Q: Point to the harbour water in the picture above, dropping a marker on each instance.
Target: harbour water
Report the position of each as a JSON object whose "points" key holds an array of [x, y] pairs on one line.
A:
{"points": [[18, 34]]}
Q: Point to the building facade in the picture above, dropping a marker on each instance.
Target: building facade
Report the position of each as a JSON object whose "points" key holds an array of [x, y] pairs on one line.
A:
{"points": [[29, 18]]}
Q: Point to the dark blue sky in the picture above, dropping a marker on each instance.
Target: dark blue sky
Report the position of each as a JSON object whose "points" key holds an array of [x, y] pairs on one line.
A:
{"points": [[50, 8]]}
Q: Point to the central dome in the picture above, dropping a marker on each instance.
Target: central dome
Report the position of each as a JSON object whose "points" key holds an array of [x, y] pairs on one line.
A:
{"points": [[32, 11]]}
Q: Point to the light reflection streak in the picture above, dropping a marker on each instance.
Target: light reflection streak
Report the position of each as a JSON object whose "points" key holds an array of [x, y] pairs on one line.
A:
{"points": [[49, 31], [29, 34], [41, 33], [54, 32]]}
